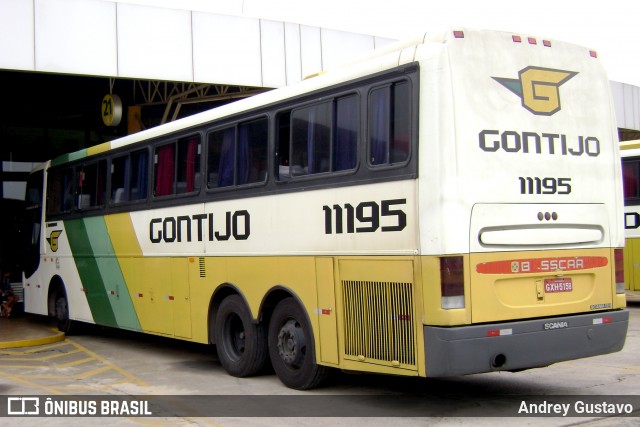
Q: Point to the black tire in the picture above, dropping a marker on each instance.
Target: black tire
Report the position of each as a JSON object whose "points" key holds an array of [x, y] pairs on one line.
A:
{"points": [[66, 325], [291, 347], [240, 342]]}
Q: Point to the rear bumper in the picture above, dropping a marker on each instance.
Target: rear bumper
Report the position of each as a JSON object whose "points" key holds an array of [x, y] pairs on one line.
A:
{"points": [[523, 344]]}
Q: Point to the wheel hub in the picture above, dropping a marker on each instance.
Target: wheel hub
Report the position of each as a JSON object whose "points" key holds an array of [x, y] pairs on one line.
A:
{"points": [[291, 344]]}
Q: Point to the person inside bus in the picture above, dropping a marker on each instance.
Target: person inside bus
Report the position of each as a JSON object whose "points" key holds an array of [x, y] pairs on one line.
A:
{"points": [[8, 297]]}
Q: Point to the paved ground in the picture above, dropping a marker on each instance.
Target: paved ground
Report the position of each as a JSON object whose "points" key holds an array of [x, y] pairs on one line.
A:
{"points": [[36, 359]]}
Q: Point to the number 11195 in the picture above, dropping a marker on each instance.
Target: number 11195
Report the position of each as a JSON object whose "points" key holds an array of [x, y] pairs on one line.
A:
{"points": [[536, 185]]}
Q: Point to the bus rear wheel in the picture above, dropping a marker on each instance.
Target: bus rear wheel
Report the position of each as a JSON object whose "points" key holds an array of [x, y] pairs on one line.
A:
{"points": [[241, 343], [291, 347]]}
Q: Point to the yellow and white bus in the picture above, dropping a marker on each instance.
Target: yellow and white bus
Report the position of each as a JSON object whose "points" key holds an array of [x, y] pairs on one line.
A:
{"points": [[450, 205], [630, 151]]}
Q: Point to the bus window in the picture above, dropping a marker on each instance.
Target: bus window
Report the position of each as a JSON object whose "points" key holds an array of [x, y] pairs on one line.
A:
{"points": [[92, 185], [283, 137], [188, 167], [119, 172], [389, 118], [346, 133], [238, 156], [252, 151], [221, 158], [310, 140], [60, 191], [139, 177], [319, 138], [129, 177], [164, 169], [631, 179], [177, 167]]}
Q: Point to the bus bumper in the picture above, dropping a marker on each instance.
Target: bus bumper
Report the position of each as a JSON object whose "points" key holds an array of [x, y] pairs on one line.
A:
{"points": [[523, 344]]}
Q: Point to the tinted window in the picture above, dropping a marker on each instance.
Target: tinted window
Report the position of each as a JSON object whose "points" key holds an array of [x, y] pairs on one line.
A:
{"points": [[177, 167], [389, 124], [238, 155], [92, 185], [60, 191], [318, 138], [631, 179], [129, 177]]}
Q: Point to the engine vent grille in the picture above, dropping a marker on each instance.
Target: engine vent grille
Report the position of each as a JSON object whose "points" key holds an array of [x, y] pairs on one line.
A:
{"points": [[379, 322], [201, 264]]}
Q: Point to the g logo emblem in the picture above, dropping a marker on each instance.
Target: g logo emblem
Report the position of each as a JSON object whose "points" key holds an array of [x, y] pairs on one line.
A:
{"points": [[538, 88], [53, 240]]}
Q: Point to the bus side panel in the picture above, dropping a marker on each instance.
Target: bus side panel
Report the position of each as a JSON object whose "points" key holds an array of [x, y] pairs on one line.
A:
{"points": [[326, 310], [157, 286], [101, 276], [146, 279], [631, 266]]}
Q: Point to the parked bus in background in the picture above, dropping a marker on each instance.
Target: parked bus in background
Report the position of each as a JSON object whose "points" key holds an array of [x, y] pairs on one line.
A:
{"points": [[450, 205], [630, 151]]}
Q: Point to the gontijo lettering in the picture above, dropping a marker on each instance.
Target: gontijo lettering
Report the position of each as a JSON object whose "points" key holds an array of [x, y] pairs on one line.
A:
{"points": [[511, 141], [186, 228]]}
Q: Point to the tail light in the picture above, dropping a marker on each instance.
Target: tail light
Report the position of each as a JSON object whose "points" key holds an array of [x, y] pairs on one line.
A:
{"points": [[452, 282], [618, 256]]}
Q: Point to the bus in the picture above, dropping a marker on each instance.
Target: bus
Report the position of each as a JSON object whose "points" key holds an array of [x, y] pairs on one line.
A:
{"points": [[630, 151], [448, 205]]}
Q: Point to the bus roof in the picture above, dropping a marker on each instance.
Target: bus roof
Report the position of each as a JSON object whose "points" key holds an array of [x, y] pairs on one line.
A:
{"points": [[381, 59]]}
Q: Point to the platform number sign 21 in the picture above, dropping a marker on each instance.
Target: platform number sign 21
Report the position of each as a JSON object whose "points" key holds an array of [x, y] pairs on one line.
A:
{"points": [[111, 110]]}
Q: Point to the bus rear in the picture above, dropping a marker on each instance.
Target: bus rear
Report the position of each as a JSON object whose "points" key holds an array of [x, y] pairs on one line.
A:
{"points": [[529, 205]]}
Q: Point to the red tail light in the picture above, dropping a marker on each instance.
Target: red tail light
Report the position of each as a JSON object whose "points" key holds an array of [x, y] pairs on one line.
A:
{"points": [[452, 282], [618, 255]]}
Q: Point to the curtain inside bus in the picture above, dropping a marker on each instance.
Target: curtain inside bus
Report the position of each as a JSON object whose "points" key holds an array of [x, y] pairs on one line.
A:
{"points": [[165, 170], [192, 147], [346, 139], [379, 126]]}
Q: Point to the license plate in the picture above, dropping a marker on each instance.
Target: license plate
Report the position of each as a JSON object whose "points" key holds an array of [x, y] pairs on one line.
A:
{"points": [[558, 284]]}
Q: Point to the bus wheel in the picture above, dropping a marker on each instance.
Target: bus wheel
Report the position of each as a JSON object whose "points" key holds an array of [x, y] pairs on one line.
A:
{"points": [[240, 342], [65, 324], [291, 347]]}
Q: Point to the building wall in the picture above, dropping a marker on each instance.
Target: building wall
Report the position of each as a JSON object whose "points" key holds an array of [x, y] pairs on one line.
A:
{"points": [[121, 39], [626, 100]]}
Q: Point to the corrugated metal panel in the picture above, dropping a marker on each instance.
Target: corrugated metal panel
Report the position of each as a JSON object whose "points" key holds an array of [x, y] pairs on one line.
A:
{"points": [[378, 322]]}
